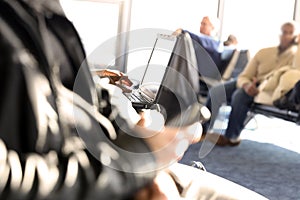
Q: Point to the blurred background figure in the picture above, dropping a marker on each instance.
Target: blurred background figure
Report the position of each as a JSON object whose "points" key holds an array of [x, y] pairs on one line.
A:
{"points": [[241, 93], [231, 41], [210, 26]]}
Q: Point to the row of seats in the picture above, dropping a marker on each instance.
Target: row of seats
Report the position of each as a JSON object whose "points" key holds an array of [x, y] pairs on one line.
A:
{"points": [[272, 111], [236, 64]]}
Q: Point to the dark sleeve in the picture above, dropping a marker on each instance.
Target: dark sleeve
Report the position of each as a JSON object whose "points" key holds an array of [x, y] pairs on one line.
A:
{"points": [[56, 172], [16, 115]]}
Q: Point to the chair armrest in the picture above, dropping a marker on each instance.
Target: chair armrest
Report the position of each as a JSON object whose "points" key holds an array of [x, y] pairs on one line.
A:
{"points": [[273, 111]]}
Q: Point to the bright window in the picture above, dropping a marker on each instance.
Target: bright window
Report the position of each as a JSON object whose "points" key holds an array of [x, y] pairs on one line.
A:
{"points": [[171, 14], [95, 22], [256, 23], [149, 17]]}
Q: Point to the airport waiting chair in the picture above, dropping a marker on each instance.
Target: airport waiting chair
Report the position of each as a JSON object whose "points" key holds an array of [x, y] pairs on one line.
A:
{"points": [[235, 66], [272, 111]]}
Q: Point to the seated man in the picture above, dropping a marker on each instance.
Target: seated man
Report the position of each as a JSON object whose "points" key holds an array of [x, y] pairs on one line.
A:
{"points": [[212, 45], [212, 55], [240, 94], [290, 98]]}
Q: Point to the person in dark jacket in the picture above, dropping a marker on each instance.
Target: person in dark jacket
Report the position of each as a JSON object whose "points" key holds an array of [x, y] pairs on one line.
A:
{"points": [[60, 136]]}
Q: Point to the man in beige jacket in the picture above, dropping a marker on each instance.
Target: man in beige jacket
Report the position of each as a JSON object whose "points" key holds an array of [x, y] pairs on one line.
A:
{"points": [[279, 81], [241, 93]]}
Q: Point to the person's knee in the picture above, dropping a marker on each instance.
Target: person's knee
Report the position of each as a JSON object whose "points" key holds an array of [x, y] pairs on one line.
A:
{"points": [[241, 97]]}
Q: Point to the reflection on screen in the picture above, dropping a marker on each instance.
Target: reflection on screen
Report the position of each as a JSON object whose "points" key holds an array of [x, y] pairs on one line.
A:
{"points": [[158, 61]]}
